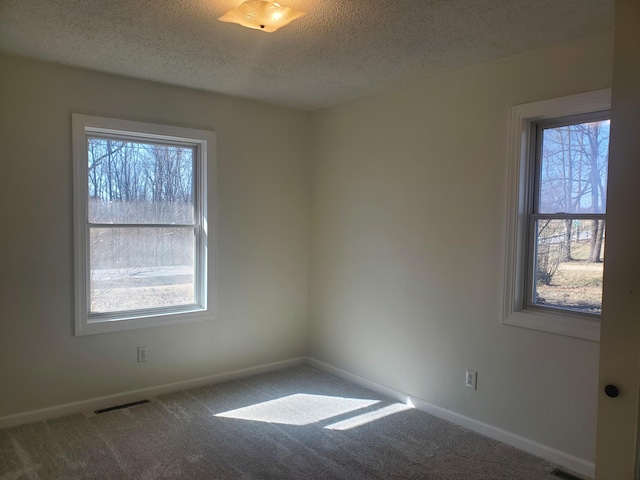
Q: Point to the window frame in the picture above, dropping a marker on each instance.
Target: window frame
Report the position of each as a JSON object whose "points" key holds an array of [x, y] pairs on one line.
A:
{"points": [[204, 144], [522, 164], [533, 210]]}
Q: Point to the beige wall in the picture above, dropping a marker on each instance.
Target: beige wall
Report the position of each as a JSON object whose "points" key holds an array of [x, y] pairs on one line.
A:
{"points": [[408, 235], [262, 257]]}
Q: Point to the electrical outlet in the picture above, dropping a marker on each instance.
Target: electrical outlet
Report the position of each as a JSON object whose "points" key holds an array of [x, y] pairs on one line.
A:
{"points": [[471, 379], [142, 354]]}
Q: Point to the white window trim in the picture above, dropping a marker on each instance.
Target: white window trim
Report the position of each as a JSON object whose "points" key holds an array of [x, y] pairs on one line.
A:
{"points": [[205, 143], [522, 117]]}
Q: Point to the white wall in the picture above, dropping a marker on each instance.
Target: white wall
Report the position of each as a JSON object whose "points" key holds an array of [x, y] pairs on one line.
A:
{"points": [[408, 236], [262, 257]]}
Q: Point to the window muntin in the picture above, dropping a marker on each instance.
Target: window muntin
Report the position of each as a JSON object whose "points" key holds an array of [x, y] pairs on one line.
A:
{"points": [[567, 217], [141, 224]]}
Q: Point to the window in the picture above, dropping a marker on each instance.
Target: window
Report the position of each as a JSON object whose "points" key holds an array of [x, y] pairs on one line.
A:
{"points": [[557, 209], [141, 224], [567, 219]]}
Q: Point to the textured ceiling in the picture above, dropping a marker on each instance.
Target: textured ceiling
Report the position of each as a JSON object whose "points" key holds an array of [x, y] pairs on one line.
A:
{"points": [[341, 49]]}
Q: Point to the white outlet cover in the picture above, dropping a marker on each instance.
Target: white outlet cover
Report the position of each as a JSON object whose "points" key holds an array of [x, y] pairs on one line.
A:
{"points": [[142, 354], [470, 379]]}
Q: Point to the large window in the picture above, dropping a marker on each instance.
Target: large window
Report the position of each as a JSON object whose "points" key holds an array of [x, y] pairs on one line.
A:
{"points": [[556, 234], [141, 224]]}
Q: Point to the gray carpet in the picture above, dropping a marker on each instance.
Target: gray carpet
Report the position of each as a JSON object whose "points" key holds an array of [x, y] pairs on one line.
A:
{"points": [[298, 423]]}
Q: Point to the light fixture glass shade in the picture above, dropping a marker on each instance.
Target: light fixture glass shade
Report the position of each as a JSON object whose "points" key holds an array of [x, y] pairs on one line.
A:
{"points": [[261, 15]]}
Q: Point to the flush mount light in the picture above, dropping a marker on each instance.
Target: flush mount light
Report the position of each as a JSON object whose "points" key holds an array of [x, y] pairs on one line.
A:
{"points": [[262, 15]]}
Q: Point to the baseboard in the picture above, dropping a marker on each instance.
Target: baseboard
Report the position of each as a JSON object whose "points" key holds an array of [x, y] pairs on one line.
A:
{"points": [[566, 460], [135, 395]]}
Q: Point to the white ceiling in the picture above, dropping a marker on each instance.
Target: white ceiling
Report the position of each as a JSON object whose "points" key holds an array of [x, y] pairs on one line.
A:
{"points": [[340, 50]]}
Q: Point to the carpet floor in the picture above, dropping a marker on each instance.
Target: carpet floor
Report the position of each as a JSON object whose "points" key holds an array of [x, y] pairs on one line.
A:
{"points": [[298, 423]]}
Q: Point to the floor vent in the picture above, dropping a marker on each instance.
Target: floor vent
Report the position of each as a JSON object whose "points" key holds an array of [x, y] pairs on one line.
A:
{"points": [[120, 407], [564, 475]]}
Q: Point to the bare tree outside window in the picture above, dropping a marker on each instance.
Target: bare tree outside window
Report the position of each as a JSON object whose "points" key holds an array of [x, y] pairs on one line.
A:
{"points": [[568, 219], [143, 235], [141, 224]]}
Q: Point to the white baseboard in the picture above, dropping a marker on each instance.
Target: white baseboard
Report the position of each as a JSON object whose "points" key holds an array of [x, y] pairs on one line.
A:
{"points": [[135, 395], [566, 460]]}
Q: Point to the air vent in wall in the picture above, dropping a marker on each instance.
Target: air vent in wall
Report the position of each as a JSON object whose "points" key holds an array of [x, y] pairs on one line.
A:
{"points": [[564, 475], [120, 407]]}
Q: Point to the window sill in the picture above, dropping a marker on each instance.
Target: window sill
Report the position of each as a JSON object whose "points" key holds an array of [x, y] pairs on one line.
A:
{"points": [[109, 326], [557, 323]]}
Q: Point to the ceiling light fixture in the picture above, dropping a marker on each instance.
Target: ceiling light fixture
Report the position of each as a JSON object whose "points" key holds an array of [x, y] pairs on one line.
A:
{"points": [[262, 15]]}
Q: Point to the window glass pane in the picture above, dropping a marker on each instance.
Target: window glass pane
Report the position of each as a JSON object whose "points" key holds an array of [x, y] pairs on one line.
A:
{"points": [[134, 268], [131, 182], [573, 168], [568, 264]]}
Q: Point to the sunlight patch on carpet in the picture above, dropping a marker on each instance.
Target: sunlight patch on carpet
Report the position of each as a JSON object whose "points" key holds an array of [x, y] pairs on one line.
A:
{"points": [[368, 417], [298, 409]]}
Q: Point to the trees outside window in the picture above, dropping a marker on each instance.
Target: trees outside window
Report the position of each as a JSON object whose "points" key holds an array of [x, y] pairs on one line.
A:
{"points": [[556, 218], [142, 230], [567, 218]]}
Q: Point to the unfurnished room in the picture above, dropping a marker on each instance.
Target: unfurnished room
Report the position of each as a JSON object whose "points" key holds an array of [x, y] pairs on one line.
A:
{"points": [[336, 239]]}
